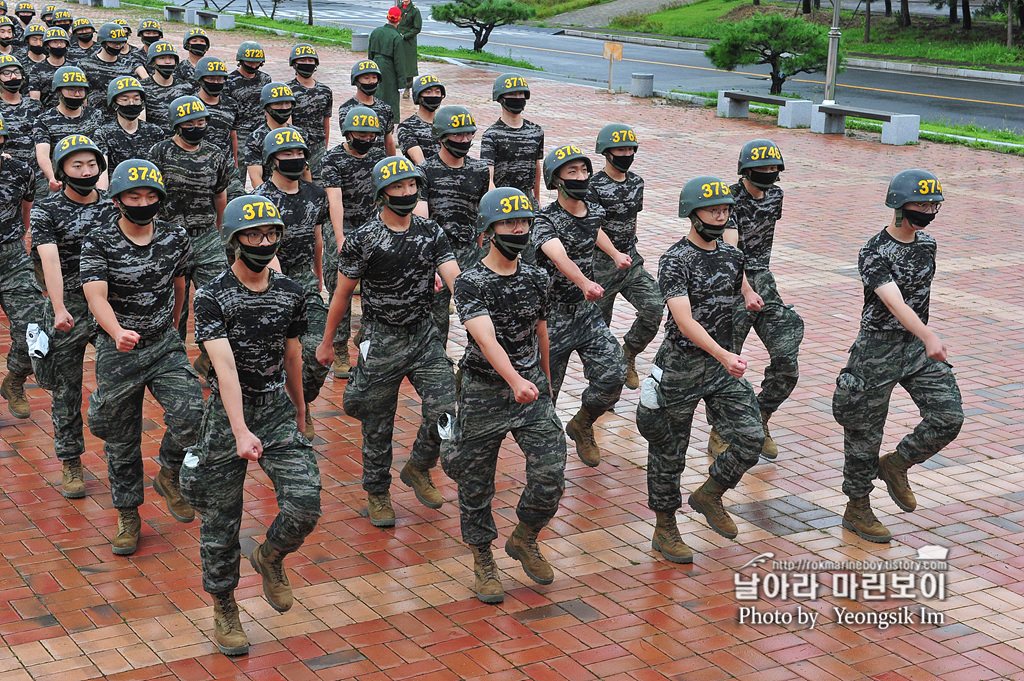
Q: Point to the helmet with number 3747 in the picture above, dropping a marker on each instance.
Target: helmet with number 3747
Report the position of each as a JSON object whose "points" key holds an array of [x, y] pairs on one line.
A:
{"points": [[912, 186], [246, 212], [283, 139], [703, 192], [391, 170]]}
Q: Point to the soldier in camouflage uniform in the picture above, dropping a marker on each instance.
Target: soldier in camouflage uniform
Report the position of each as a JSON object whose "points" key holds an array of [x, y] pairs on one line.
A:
{"points": [[348, 179], [164, 86], [700, 276], [895, 345], [245, 86], [127, 136], [83, 39], [314, 104], [133, 274], [415, 133], [46, 16], [278, 102], [618, 267], [395, 256], [62, 19], [70, 117], [24, 12], [453, 186], [19, 112], [40, 75], [196, 44], [20, 296], [105, 65], [505, 388], [564, 237], [149, 32], [34, 51], [211, 75], [365, 77], [8, 46], [59, 225], [251, 318], [513, 146], [304, 209]]}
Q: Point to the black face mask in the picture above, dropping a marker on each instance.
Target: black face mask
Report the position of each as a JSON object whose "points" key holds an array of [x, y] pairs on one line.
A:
{"points": [[621, 163], [212, 89], [367, 89], [37, 49], [251, 71], [149, 40], [256, 258], [575, 189], [83, 186], [58, 52], [292, 168], [12, 85], [305, 70], [72, 103], [763, 180], [166, 70], [510, 245], [361, 147], [918, 219], [192, 136], [514, 105], [457, 149], [85, 37], [199, 50], [400, 205], [280, 115], [706, 231], [140, 215], [112, 49], [6, 42], [431, 103], [130, 111], [25, 19]]}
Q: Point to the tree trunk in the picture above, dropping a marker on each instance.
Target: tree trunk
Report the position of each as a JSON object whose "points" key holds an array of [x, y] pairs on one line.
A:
{"points": [[965, 12], [867, 21], [757, 2], [807, 7], [1009, 24], [777, 81], [904, 13], [953, 18], [309, 12], [888, 8], [817, 4]]}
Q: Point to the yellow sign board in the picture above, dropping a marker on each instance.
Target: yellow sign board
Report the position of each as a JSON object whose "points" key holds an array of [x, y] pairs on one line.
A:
{"points": [[613, 51]]}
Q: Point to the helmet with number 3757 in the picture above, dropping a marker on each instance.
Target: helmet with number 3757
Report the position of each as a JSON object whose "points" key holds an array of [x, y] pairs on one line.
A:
{"points": [[702, 192], [247, 212]]}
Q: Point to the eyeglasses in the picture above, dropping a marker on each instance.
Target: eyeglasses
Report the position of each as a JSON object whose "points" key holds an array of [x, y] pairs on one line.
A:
{"points": [[10, 73], [256, 238], [922, 207], [723, 211]]}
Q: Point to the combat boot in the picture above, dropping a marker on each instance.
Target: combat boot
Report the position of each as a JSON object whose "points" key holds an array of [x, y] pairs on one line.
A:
{"points": [[309, 431], [488, 585], [667, 539], [769, 450], [708, 501], [168, 486], [72, 484], [228, 632], [632, 380], [861, 519], [522, 546], [269, 564], [716, 445], [581, 431], [892, 470], [422, 485], [13, 390], [129, 530], [341, 367], [379, 510]]}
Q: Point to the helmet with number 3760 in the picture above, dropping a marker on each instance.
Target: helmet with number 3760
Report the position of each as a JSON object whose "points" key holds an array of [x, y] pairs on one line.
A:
{"points": [[702, 192]]}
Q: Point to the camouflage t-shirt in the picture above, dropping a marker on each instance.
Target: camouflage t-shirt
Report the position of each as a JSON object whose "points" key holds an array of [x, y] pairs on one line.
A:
{"points": [[40, 77], [254, 148], [60, 221], [578, 236], [710, 279], [100, 73], [912, 266], [192, 179], [621, 202], [18, 123], [395, 269], [223, 119], [354, 176], [515, 304], [185, 72], [76, 53], [118, 145], [256, 323], [514, 153], [159, 98], [140, 278], [453, 195], [17, 184], [755, 219], [312, 106], [416, 132], [380, 107], [52, 126], [246, 91], [301, 213]]}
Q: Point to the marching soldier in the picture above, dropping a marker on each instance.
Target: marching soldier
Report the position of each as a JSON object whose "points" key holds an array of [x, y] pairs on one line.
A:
{"points": [[164, 86], [513, 146], [71, 116], [127, 136], [40, 75], [415, 133], [278, 103], [365, 77], [196, 44], [314, 104], [245, 86]]}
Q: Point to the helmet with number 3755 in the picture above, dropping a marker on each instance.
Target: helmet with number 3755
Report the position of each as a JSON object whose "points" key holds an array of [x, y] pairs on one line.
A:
{"points": [[503, 203], [247, 212], [702, 192], [911, 186]]}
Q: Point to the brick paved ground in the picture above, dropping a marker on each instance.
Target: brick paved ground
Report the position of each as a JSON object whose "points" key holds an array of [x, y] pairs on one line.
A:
{"points": [[378, 604]]}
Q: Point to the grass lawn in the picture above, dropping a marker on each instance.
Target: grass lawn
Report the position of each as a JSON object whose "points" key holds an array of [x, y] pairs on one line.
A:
{"points": [[546, 9]]}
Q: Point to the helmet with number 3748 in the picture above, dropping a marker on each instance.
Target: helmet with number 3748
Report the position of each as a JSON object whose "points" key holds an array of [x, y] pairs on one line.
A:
{"points": [[911, 186], [702, 192], [246, 212]]}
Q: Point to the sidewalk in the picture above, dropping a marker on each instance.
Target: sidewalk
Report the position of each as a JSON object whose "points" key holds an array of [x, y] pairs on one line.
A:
{"points": [[398, 604]]}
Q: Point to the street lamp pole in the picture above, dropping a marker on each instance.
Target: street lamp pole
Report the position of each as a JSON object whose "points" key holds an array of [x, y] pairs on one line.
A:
{"points": [[833, 55]]}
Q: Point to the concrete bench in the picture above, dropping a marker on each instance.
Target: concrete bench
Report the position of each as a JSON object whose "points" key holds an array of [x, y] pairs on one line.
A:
{"points": [[793, 113], [897, 129], [222, 22], [174, 13]]}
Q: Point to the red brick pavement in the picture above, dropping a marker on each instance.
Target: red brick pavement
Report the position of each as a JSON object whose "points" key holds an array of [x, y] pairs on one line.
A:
{"points": [[397, 604]]}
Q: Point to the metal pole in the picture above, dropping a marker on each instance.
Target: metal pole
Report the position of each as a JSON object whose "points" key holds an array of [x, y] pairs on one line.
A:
{"points": [[833, 55], [611, 62]]}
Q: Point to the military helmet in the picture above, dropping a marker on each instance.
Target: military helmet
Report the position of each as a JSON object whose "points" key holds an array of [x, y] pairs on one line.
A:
{"points": [[194, 32], [911, 186], [273, 93], [136, 173], [161, 48], [758, 154], [112, 33], [507, 83], [10, 60], [557, 158], [34, 29], [123, 23], [250, 50], [48, 9], [361, 119], [81, 22], [124, 84], [55, 33], [3, 5], [614, 136], [6, 21], [452, 120], [704, 191], [425, 82], [185, 109], [25, 8], [362, 67], [69, 76], [283, 139], [62, 15], [71, 144], [303, 51], [503, 203], [210, 66], [393, 169], [246, 212], [151, 25]]}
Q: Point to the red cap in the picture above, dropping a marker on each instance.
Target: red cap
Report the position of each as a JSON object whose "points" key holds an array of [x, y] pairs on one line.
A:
{"points": [[394, 14]]}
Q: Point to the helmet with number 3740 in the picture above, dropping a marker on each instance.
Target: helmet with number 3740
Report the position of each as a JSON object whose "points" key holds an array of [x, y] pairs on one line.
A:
{"points": [[703, 192]]}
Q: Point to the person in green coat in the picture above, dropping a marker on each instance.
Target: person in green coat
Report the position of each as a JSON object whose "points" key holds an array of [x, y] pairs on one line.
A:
{"points": [[410, 26], [386, 47]]}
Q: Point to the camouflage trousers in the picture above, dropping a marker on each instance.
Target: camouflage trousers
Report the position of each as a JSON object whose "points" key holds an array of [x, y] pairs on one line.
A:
{"points": [[487, 412], [115, 408], [207, 261], [691, 375], [640, 290], [213, 476], [580, 328], [860, 404], [388, 354], [63, 368], [317, 151], [330, 265], [313, 373], [467, 254], [22, 301]]}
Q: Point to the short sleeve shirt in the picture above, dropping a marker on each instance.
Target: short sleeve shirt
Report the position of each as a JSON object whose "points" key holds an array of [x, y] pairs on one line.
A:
{"points": [[883, 259], [416, 132], [40, 77], [301, 213], [354, 176], [755, 220], [453, 195], [118, 145], [312, 106], [246, 91], [18, 122], [622, 201], [17, 184], [578, 236], [220, 124], [514, 153], [159, 98], [380, 107], [100, 73], [192, 179], [60, 221], [52, 126]]}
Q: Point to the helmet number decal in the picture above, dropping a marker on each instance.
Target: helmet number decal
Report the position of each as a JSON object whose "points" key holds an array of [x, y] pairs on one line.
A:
{"points": [[304, 49], [283, 91], [364, 65], [261, 209], [194, 106], [515, 82], [288, 135], [462, 120], [142, 174], [714, 189], [625, 135], [216, 66], [515, 202], [566, 151], [366, 120], [762, 153], [74, 77], [929, 187], [428, 79], [164, 47], [253, 55], [394, 168], [128, 82]]}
